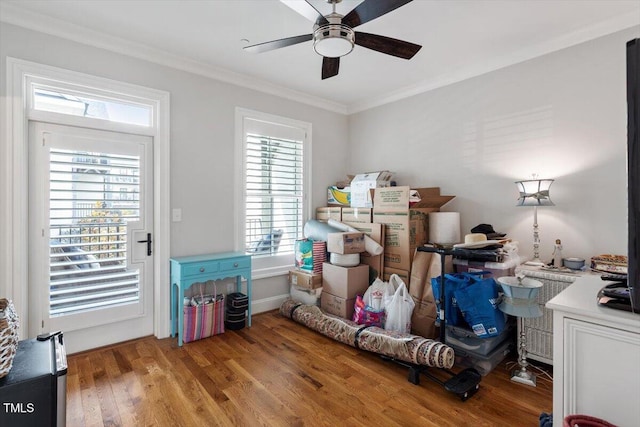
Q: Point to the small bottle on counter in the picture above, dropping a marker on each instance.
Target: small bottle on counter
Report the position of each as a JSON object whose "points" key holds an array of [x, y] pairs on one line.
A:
{"points": [[557, 254]]}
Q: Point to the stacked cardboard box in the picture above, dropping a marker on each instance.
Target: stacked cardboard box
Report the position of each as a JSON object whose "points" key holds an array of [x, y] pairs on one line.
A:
{"points": [[376, 262], [338, 196], [361, 185], [326, 213], [345, 243], [340, 286], [356, 215], [305, 286], [305, 279], [387, 216], [406, 224]]}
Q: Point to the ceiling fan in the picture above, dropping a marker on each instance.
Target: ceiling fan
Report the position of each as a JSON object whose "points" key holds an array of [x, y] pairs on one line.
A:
{"points": [[333, 34]]}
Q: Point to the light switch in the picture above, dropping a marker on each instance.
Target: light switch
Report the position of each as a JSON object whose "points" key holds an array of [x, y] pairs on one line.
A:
{"points": [[176, 215]]}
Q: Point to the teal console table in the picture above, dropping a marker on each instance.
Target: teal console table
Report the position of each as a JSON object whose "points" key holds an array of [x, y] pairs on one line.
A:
{"points": [[185, 271]]}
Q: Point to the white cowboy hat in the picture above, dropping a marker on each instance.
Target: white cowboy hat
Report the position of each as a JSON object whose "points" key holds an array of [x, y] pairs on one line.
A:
{"points": [[476, 241]]}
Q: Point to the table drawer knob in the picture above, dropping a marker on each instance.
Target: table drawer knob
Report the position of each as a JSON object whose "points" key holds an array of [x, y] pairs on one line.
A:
{"points": [[235, 264], [201, 269]]}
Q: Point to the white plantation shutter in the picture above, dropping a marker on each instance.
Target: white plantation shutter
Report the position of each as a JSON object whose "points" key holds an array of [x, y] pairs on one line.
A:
{"points": [[275, 175], [274, 183], [92, 197]]}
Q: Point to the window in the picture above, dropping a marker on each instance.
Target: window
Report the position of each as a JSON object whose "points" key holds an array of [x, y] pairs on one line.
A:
{"points": [[70, 102], [88, 230], [274, 154]]}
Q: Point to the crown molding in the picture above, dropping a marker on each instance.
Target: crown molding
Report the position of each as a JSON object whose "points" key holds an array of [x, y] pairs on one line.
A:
{"points": [[15, 15], [618, 23]]}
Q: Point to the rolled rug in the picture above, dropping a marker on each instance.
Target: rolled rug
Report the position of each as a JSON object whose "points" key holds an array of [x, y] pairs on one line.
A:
{"points": [[406, 347]]}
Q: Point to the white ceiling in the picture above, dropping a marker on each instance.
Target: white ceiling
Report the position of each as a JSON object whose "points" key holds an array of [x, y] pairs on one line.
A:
{"points": [[459, 38]]}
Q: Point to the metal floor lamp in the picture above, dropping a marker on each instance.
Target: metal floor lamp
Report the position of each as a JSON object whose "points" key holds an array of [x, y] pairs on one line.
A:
{"points": [[520, 300]]}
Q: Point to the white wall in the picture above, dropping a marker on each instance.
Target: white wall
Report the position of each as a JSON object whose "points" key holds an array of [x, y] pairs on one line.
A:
{"points": [[562, 116], [202, 137]]}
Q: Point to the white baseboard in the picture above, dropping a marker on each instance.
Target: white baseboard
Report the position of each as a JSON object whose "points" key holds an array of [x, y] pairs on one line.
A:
{"points": [[268, 304]]}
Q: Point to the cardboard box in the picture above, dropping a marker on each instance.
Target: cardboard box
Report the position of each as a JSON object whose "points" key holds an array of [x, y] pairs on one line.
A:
{"points": [[337, 306], [357, 215], [406, 227], [305, 279], [345, 243], [345, 282], [403, 274], [362, 183], [373, 230], [375, 262], [324, 214], [338, 196]]}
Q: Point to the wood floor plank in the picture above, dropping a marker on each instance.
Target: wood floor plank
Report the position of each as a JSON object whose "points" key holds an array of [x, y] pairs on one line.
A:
{"points": [[75, 414], [108, 407], [278, 373]]}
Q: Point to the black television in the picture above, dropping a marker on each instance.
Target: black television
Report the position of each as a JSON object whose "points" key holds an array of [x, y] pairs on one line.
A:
{"points": [[633, 171]]}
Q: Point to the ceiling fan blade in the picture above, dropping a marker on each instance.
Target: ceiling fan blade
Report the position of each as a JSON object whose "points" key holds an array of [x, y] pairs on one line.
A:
{"points": [[277, 44], [395, 47], [371, 9], [307, 10], [330, 67]]}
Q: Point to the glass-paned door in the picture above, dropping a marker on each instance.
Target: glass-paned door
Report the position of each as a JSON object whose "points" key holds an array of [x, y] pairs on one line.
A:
{"points": [[90, 231]]}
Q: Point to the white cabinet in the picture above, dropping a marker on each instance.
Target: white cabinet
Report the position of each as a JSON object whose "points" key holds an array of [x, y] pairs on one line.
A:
{"points": [[596, 357]]}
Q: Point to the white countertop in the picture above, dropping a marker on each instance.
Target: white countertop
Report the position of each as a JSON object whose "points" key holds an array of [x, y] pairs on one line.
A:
{"points": [[580, 298]]}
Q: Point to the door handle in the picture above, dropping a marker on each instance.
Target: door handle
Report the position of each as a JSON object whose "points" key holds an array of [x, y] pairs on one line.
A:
{"points": [[148, 242]]}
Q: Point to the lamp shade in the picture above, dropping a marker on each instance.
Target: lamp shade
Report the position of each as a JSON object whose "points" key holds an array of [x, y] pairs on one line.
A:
{"points": [[520, 296], [534, 192]]}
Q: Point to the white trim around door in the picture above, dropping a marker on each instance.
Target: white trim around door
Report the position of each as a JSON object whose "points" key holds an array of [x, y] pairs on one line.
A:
{"points": [[14, 164]]}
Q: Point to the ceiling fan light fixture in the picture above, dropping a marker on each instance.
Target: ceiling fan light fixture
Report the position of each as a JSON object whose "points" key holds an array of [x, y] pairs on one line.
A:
{"points": [[333, 40]]}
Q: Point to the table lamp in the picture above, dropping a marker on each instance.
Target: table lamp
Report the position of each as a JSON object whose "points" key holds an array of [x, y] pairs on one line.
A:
{"points": [[535, 192]]}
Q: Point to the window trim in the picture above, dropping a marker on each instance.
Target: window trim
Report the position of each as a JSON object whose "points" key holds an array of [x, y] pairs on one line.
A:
{"points": [[266, 266]]}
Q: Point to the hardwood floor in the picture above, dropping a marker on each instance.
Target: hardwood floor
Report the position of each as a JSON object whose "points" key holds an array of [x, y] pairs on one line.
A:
{"points": [[278, 373]]}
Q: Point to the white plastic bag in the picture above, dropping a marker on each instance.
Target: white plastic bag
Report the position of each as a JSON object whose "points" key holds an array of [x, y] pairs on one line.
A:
{"points": [[399, 310], [395, 281], [377, 294], [394, 284]]}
